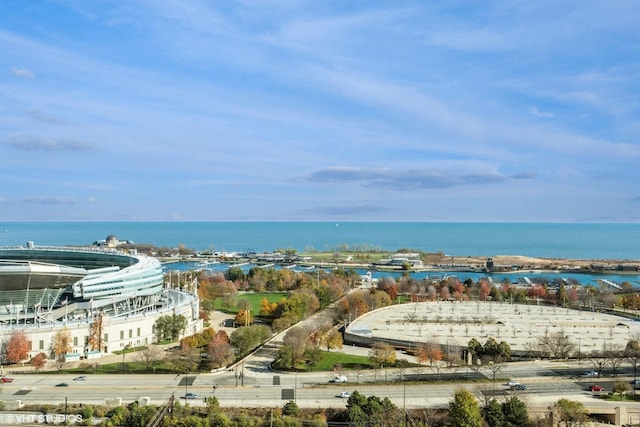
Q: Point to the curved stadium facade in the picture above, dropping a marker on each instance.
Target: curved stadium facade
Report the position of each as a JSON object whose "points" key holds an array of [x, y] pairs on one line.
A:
{"points": [[47, 289]]}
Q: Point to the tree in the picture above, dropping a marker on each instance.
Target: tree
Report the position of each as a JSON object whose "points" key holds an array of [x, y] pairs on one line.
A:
{"points": [[149, 356], [169, 327], [382, 353], [245, 339], [266, 308], [17, 347], [464, 410], [95, 334], [515, 413], [475, 348], [39, 361], [621, 388], [331, 339], [243, 318], [492, 413], [572, 413], [291, 409], [431, 352], [184, 361], [599, 360], [557, 345], [297, 340], [60, 346], [219, 350]]}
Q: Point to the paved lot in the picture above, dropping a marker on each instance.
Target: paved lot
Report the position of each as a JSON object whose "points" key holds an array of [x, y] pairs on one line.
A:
{"points": [[455, 323]]}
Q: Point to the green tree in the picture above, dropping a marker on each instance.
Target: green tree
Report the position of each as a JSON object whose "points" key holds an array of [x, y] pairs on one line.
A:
{"points": [[291, 408], [572, 413], [464, 410], [515, 413], [492, 413], [169, 327], [621, 388], [245, 339], [475, 348]]}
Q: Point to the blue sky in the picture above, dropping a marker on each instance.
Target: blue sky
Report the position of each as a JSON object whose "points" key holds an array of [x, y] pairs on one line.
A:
{"points": [[320, 110]]}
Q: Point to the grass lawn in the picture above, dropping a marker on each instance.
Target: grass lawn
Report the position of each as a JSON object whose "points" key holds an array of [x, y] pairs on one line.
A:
{"points": [[348, 362], [253, 298]]}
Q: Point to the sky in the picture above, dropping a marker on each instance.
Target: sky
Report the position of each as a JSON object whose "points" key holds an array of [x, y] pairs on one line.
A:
{"points": [[283, 110]]}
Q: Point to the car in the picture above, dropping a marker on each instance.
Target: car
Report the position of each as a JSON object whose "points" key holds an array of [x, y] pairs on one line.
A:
{"points": [[345, 394], [81, 378], [636, 381], [189, 396], [595, 387], [590, 374], [62, 385], [512, 383], [7, 379], [519, 387]]}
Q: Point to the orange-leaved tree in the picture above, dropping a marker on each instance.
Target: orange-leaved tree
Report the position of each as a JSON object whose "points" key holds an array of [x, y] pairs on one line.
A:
{"points": [[17, 347]]}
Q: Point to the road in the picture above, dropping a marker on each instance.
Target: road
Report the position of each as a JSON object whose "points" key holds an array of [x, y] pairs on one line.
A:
{"points": [[262, 388]]}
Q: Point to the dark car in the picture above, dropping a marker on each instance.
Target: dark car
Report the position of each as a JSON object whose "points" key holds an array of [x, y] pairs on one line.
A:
{"points": [[519, 387], [62, 385], [189, 396]]}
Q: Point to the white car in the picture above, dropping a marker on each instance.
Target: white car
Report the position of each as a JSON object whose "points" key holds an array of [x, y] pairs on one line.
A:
{"points": [[345, 394], [80, 378], [513, 383], [590, 374]]}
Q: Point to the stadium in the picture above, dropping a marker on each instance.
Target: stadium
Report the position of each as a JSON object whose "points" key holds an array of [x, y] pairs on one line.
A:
{"points": [[44, 290]]}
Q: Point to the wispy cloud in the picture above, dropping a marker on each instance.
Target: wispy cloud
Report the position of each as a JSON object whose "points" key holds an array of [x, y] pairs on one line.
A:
{"points": [[543, 114], [49, 200], [46, 118], [23, 72], [348, 210], [35, 143], [405, 180]]}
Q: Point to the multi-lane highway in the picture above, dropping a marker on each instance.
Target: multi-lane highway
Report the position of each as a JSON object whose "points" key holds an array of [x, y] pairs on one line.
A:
{"points": [[261, 388]]}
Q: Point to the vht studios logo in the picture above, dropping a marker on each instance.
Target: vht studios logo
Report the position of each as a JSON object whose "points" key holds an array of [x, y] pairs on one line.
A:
{"points": [[39, 418]]}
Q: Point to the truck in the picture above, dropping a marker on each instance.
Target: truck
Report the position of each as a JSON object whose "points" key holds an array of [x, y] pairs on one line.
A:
{"points": [[339, 379]]}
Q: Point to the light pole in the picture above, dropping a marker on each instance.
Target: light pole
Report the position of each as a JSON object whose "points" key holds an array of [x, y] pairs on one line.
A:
{"points": [[579, 355], [124, 351]]}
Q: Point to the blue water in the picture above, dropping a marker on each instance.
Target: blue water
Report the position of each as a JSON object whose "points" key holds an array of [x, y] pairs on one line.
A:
{"points": [[585, 241], [582, 278]]}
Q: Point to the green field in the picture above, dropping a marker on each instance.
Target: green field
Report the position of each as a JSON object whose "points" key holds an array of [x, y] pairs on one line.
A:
{"points": [[254, 298], [347, 362]]}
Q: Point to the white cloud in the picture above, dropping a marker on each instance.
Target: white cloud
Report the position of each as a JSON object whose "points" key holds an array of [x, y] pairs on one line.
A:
{"points": [[22, 72]]}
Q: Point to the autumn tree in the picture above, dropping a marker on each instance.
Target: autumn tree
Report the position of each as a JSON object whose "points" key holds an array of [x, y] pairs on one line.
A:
{"points": [[433, 352], [39, 361], [243, 317], [95, 334], [382, 353], [17, 347], [330, 338], [220, 351], [267, 308], [61, 346]]}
